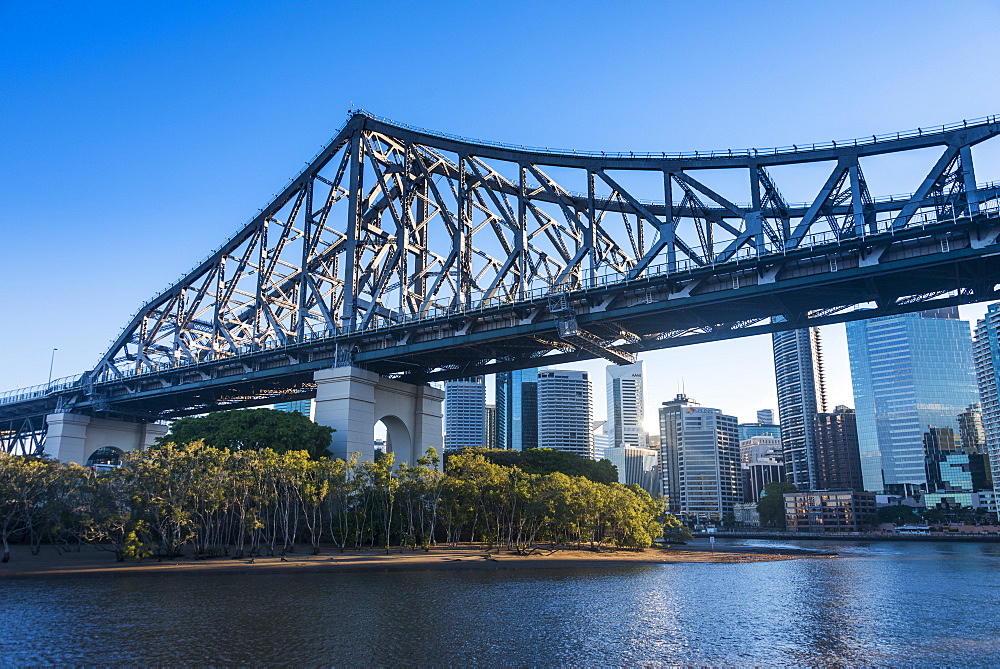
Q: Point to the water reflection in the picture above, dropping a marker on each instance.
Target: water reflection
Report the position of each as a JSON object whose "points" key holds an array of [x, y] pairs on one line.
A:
{"points": [[880, 604]]}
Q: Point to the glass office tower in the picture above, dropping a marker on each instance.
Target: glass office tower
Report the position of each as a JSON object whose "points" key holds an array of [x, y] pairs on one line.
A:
{"points": [[913, 378], [517, 409], [798, 373]]}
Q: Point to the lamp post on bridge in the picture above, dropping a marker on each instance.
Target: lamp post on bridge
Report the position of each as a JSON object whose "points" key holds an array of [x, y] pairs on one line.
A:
{"points": [[52, 361]]}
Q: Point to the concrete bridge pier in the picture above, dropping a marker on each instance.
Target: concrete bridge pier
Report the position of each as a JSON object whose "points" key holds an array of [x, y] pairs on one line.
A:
{"points": [[353, 400], [77, 438]]}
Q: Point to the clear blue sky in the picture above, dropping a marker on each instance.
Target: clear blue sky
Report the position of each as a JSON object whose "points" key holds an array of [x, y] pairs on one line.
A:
{"points": [[137, 136]]}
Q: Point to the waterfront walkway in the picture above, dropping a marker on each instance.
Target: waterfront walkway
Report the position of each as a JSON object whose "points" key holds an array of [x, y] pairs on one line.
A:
{"points": [[849, 536]]}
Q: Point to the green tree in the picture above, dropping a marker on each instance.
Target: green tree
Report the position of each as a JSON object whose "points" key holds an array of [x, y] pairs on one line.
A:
{"points": [[548, 461], [674, 531], [771, 506], [110, 522], [898, 514], [29, 494], [254, 429]]}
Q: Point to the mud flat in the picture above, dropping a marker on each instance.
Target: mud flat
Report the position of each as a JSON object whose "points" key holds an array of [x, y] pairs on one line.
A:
{"points": [[89, 561]]}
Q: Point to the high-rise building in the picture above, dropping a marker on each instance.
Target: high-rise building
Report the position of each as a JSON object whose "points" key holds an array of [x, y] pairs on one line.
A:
{"points": [[699, 459], [491, 426], [637, 466], [913, 377], [464, 413], [986, 353], [304, 407], [765, 416], [798, 372], [625, 404], [838, 461], [517, 409], [565, 411]]}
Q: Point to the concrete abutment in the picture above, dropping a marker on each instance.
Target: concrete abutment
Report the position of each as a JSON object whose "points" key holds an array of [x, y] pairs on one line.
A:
{"points": [[353, 400], [75, 437], [348, 399]]}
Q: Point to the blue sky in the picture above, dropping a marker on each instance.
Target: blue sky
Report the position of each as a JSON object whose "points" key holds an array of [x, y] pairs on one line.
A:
{"points": [[137, 136]]}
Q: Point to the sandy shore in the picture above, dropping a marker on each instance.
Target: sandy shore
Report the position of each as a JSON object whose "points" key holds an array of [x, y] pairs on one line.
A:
{"points": [[90, 561]]}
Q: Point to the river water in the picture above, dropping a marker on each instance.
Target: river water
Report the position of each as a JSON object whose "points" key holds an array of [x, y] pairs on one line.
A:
{"points": [[883, 604]]}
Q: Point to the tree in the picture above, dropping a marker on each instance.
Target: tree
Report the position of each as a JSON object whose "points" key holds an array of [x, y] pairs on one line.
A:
{"points": [[28, 487], [548, 461], [898, 514], [254, 429], [674, 531], [771, 506], [110, 522]]}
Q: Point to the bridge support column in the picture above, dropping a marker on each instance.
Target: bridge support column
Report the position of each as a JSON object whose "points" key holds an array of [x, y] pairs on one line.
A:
{"points": [[352, 401], [75, 438]]}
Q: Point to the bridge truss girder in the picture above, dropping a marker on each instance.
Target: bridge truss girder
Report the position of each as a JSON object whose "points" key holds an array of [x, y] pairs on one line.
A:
{"points": [[389, 225], [425, 256]]}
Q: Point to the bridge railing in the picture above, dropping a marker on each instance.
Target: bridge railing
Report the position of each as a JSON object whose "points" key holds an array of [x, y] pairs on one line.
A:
{"points": [[723, 153], [746, 206], [41, 390]]}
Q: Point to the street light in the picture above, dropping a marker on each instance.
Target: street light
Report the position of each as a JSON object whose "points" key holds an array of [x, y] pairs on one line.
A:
{"points": [[52, 361]]}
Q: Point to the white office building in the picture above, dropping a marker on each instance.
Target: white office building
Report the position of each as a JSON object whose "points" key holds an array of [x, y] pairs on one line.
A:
{"points": [[565, 411], [625, 405], [464, 413], [757, 449], [700, 459]]}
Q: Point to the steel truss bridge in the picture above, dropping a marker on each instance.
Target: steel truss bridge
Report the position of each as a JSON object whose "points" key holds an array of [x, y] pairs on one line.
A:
{"points": [[425, 256]]}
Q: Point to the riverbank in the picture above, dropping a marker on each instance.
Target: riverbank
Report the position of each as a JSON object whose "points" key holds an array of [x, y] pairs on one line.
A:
{"points": [[89, 561]]}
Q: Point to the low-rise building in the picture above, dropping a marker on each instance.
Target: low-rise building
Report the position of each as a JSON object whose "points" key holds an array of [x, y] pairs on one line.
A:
{"points": [[757, 475], [829, 510], [947, 501], [746, 514], [985, 499]]}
